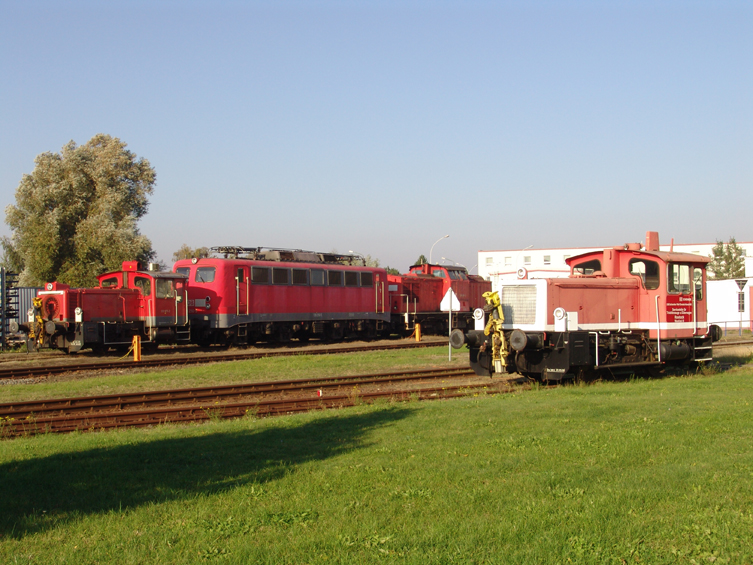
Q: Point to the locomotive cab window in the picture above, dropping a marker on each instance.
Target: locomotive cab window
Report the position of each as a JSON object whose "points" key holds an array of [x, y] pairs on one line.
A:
{"points": [[205, 274], [648, 271], [367, 279], [280, 276], [438, 273], [164, 288], [317, 277], [351, 278], [183, 271], [110, 282], [678, 279], [588, 268], [144, 285], [260, 275], [239, 276]]}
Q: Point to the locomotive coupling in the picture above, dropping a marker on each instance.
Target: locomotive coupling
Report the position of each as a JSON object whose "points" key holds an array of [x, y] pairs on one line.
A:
{"points": [[474, 338]]}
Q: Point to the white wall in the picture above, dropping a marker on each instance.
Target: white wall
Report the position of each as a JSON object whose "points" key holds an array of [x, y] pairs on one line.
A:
{"points": [[722, 303]]}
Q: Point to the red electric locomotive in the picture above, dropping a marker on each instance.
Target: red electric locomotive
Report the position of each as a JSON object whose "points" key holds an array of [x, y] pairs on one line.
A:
{"points": [[127, 303], [256, 294], [620, 307], [416, 297]]}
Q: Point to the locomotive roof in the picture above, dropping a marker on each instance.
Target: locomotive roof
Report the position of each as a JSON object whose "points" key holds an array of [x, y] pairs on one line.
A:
{"points": [[666, 256], [286, 255]]}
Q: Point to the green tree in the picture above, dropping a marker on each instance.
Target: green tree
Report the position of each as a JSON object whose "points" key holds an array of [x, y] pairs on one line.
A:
{"points": [[185, 252], [391, 271], [422, 260], [75, 215], [727, 260]]}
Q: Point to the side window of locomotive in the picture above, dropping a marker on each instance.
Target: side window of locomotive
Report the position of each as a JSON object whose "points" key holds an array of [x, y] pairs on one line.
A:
{"points": [[110, 282], [164, 288], [300, 276], [351, 278], [183, 271], [317, 277], [678, 279], [205, 274], [438, 273], [280, 276], [144, 285], [647, 270], [698, 282], [367, 279], [588, 268], [260, 275], [335, 278]]}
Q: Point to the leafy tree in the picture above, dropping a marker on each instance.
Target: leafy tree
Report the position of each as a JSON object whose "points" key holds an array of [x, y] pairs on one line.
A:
{"points": [[75, 214], [369, 262], [422, 260], [727, 260], [185, 252], [391, 271]]}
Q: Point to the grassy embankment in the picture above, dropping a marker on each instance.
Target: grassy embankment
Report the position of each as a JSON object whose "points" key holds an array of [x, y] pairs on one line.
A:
{"points": [[657, 471]]}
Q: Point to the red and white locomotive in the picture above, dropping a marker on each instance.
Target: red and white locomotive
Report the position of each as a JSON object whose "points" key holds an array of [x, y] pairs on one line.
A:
{"points": [[255, 294], [626, 306], [126, 303], [416, 297]]}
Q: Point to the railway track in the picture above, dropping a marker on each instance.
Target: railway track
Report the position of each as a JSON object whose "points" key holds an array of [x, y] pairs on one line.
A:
{"points": [[43, 371], [232, 401]]}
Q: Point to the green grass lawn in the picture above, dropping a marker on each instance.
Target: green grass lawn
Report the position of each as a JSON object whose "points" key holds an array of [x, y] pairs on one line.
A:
{"points": [[647, 471]]}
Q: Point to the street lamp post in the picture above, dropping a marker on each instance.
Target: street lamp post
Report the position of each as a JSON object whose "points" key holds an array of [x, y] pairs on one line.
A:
{"points": [[432, 246], [517, 257]]}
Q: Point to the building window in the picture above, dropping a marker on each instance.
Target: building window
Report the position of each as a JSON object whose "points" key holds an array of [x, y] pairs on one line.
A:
{"points": [[489, 261], [508, 261], [526, 259], [547, 259]]}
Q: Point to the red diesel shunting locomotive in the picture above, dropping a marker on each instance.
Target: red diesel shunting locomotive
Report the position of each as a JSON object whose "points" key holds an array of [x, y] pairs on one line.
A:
{"points": [[127, 303], [626, 306]]}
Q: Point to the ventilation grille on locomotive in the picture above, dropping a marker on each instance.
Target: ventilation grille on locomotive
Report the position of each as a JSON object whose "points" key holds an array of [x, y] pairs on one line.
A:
{"points": [[519, 304]]}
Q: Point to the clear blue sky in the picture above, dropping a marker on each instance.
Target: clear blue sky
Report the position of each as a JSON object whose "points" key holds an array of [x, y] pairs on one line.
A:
{"points": [[382, 126]]}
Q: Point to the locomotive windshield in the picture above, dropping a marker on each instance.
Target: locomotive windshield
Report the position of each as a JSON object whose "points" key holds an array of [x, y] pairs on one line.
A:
{"points": [[678, 279], [165, 288], [205, 274]]}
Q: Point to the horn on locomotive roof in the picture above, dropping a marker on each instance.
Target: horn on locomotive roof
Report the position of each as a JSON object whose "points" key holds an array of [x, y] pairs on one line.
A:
{"points": [[281, 254]]}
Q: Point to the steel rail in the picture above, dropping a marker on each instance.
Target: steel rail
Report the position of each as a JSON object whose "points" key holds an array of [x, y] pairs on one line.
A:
{"points": [[91, 404], [42, 371], [258, 408]]}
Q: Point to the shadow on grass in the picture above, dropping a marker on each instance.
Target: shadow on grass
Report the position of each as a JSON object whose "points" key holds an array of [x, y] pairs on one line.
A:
{"points": [[40, 493]]}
